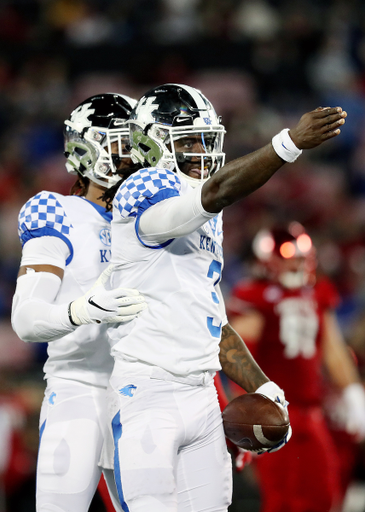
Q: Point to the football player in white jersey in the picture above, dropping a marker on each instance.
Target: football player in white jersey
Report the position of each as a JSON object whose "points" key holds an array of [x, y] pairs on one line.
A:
{"points": [[66, 246], [167, 444]]}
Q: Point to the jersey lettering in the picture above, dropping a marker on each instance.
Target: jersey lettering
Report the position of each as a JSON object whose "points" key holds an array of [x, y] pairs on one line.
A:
{"points": [[208, 244], [105, 255], [298, 327]]}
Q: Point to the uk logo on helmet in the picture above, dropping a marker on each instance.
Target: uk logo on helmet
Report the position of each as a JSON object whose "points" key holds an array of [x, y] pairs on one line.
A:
{"points": [[80, 116], [207, 120]]}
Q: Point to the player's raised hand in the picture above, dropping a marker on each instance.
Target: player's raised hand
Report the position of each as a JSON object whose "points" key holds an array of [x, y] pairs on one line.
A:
{"points": [[317, 126], [100, 305]]}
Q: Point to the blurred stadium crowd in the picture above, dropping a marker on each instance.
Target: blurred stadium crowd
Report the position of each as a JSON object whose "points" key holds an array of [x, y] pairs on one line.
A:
{"points": [[262, 63]]}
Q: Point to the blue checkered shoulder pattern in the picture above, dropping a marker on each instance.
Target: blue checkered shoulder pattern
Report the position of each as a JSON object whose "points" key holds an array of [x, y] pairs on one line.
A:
{"points": [[145, 188], [43, 215]]}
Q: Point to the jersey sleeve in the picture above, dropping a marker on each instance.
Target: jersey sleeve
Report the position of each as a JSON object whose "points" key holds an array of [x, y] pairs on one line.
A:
{"points": [[45, 250], [44, 215], [145, 188], [327, 294]]}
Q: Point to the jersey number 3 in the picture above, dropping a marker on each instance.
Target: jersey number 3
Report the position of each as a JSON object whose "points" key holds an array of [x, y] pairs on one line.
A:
{"points": [[214, 268]]}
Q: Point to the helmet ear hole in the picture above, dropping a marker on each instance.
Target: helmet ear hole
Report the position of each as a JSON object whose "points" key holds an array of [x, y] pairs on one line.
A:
{"points": [[80, 151], [144, 147]]}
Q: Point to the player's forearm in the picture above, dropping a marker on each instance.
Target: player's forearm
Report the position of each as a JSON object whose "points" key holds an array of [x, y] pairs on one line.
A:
{"points": [[336, 355], [245, 175], [239, 178], [341, 367], [39, 322], [238, 363]]}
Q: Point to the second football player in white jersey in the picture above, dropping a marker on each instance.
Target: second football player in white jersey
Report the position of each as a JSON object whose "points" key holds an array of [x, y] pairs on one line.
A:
{"points": [[66, 246], [167, 442]]}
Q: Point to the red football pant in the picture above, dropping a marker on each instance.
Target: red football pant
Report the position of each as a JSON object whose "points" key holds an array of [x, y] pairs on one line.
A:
{"points": [[304, 475]]}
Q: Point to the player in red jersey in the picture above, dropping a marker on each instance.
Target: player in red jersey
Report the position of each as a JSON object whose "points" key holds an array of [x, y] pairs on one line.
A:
{"points": [[287, 317]]}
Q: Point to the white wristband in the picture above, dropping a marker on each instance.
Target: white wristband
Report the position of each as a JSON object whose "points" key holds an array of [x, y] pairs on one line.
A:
{"points": [[285, 147], [272, 391]]}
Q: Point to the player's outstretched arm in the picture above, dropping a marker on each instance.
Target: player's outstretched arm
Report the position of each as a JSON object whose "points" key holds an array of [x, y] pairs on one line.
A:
{"points": [[244, 175], [237, 362]]}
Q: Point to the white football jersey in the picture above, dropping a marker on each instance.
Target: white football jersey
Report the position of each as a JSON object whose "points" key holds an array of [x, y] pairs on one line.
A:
{"points": [[180, 330], [84, 354]]}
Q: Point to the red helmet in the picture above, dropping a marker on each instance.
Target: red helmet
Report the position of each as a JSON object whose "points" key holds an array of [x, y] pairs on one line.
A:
{"points": [[286, 255]]}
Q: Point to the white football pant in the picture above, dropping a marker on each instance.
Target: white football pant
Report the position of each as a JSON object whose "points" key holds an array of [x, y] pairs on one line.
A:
{"points": [[169, 451], [72, 427]]}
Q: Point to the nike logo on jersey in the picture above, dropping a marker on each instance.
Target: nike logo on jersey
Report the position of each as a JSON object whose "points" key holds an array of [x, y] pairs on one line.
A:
{"points": [[51, 398], [128, 390], [90, 301]]}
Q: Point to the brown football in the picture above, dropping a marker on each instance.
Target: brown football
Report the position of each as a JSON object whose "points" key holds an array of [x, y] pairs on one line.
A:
{"points": [[253, 421]]}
